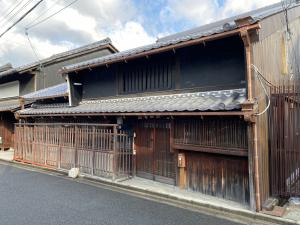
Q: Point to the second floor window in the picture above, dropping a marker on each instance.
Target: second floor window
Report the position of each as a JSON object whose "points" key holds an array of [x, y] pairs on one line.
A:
{"points": [[147, 77]]}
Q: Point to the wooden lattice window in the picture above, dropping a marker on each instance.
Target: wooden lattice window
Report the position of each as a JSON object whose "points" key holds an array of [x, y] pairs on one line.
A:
{"points": [[147, 77], [214, 134]]}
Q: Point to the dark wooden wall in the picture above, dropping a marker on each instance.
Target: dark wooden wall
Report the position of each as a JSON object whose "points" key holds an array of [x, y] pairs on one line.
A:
{"points": [[218, 175], [216, 65], [7, 130], [27, 84], [49, 75], [99, 83]]}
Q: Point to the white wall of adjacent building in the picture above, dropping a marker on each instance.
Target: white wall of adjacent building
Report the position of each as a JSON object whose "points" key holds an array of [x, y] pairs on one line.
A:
{"points": [[11, 89]]}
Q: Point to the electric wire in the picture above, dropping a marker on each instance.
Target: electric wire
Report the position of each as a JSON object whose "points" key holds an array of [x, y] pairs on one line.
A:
{"points": [[17, 12], [259, 75], [21, 18], [10, 9], [42, 14], [48, 17]]}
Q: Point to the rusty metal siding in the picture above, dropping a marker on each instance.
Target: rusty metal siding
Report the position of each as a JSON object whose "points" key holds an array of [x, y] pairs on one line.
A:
{"points": [[273, 23], [267, 54]]}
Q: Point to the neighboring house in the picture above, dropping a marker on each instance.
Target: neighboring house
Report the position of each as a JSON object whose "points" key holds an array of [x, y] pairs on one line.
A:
{"points": [[38, 75], [191, 101]]}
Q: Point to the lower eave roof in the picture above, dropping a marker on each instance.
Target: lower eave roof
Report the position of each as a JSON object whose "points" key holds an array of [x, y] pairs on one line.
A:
{"points": [[59, 90], [224, 100], [9, 105]]}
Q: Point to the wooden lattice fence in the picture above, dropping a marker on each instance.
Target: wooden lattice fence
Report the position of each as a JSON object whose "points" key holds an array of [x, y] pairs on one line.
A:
{"points": [[98, 150], [284, 139]]}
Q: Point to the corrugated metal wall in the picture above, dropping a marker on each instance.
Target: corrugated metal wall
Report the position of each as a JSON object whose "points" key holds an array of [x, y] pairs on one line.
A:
{"points": [[268, 57]]}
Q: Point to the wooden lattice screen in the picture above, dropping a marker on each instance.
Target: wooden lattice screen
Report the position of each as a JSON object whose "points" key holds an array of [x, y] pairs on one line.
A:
{"points": [[97, 150]]}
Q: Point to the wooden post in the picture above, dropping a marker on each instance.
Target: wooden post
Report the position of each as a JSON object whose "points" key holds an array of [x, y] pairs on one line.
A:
{"points": [[93, 150], [22, 103], [76, 136], [134, 154], [114, 152], [181, 163], [59, 147]]}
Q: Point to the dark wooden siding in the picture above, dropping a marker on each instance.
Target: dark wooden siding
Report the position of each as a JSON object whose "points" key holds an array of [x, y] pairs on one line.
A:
{"points": [[7, 121], [216, 64], [27, 85], [49, 75], [218, 175], [99, 83]]}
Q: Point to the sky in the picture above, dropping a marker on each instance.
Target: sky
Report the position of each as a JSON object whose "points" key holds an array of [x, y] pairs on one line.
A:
{"points": [[129, 23]]}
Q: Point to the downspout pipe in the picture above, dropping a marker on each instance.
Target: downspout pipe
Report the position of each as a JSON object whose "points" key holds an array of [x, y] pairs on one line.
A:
{"points": [[253, 123]]}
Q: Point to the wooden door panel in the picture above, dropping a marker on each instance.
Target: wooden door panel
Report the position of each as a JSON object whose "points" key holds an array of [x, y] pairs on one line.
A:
{"points": [[154, 159], [144, 156], [163, 158]]}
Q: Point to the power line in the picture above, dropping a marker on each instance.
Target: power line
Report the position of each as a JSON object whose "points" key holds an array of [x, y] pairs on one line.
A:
{"points": [[31, 46], [43, 20], [43, 13], [21, 18], [37, 57], [17, 12], [10, 9]]}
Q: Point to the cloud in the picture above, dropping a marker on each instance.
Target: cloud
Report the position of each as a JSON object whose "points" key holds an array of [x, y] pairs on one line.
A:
{"points": [[129, 23], [194, 11], [199, 12], [131, 35], [78, 25], [234, 7], [108, 12]]}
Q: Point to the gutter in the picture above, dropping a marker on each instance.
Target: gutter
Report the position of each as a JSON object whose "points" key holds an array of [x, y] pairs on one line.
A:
{"points": [[230, 113]]}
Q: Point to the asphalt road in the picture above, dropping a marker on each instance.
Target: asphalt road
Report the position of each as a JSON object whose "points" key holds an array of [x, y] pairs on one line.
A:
{"points": [[34, 198]]}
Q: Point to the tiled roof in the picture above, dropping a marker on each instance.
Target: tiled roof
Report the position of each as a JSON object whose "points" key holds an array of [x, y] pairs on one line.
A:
{"points": [[9, 105], [203, 31], [7, 72], [88, 47], [218, 26], [50, 92], [224, 100]]}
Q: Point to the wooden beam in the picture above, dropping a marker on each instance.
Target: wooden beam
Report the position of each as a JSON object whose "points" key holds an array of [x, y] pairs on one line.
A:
{"points": [[247, 44], [217, 150]]}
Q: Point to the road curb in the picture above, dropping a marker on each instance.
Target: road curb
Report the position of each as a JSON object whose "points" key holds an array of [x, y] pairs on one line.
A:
{"points": [[221, 210]]}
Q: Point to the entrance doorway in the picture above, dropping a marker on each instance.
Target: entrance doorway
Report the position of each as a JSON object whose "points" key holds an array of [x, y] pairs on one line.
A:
{"points": [[154, 159]]}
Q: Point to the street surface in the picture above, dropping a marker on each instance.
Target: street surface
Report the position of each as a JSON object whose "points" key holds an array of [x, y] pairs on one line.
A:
{"points": [[34, 198]]}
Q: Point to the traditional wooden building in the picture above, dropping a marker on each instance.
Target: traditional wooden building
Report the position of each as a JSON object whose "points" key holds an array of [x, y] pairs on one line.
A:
{"points": [[193, 102], [38, 75]]}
